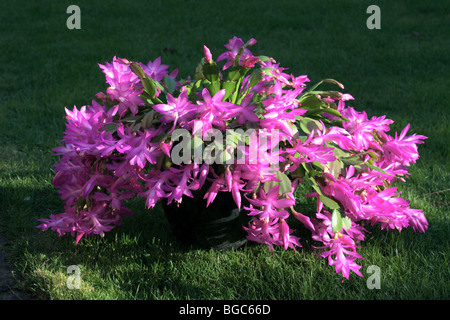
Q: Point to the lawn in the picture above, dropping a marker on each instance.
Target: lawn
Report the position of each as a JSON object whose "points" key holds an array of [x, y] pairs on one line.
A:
{"points": [[400, 71]]}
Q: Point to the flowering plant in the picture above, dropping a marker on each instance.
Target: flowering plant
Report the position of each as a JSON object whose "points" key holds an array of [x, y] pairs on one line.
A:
{"points": [[279, 135]]}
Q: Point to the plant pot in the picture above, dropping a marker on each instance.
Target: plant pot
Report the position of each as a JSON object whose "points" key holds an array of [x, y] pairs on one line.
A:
{"points": [[218, 226]]}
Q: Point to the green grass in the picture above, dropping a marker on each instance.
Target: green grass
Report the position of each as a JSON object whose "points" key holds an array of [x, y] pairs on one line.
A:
{"points": [[401, 71]]}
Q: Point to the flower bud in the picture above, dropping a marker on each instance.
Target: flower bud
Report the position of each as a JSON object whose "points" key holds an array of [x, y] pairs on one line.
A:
{"points": [[251, 42], [208, 55], [228, 178], [284, 232]]}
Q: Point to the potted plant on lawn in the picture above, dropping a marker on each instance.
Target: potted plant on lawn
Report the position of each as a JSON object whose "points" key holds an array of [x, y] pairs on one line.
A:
{"points": [[225, 153]]}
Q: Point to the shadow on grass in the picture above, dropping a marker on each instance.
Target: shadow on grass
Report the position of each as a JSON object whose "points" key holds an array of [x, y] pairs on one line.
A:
{"points": [[141, 259]]}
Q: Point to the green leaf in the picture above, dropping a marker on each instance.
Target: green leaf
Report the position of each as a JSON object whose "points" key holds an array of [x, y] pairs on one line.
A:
{"points": [[340, 85], [211, 71], [336, 221], [255, 77], [308, 124], [230, 87], [199, 71], [331, 94], [316, 112], [285, 184], [335, 167], [193, 91], [298, 173], [318, 165], [170, 84], [330, 203], [346, 223], [149, 86], [316, 187], [311, 102], [236, 73], [352, 160], [148, 83], [371, 166], [264, 58], [147, 121], [136, 126], [213, 87], [336, 113], [373, 155], [137, 70], [110, 127]]}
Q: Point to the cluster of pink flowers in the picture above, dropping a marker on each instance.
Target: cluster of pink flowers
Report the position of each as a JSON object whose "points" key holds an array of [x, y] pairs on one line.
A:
{"points": [[119, 147]]}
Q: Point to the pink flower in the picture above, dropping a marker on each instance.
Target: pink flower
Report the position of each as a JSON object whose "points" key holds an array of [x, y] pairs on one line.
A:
{"points": [[72, 174], [342, 249], [273, 71], [124, 87], [343, 193], [211, 111], [361, 128], [84, 128], [244, 111], [218, 184], [308, 152], [247, 60], [235, 184], [177, 110], [260, 172], [269, 204], [208, 55], [262, 231], [334, 134], [95, 221], [115, 192], [392, 212], [285, 236], [272, 232], [299, 82], [403, 149], [157, 186], [158, 71], [140, 150]]}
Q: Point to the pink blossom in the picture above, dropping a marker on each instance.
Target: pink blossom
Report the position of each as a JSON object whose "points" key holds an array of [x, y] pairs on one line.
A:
{"points": [[268, 204], [212, 111], [307, 152], [140, 149], [361, 128], [334, 134], [342, 192], [158, 71], [157, 187], [390, 211], [272, 232], [341, 247], [177, 110], [403, 149], [244, 111], [262, 231], [247, 60], [208, 55], [285, 236], [124, 87], [273, 71]]}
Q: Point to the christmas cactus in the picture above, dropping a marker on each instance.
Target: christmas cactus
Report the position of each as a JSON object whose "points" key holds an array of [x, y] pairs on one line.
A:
{"points": [[153, 136]]}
